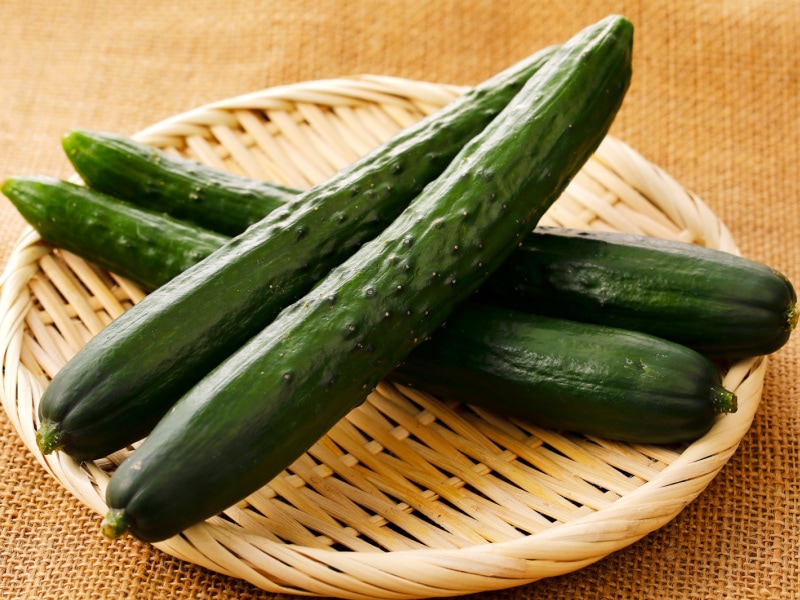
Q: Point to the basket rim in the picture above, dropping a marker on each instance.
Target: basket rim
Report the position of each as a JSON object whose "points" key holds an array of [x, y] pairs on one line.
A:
{"points": [[626, 518]]}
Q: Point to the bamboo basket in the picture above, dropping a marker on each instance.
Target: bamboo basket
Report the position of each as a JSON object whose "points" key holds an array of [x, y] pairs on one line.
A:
{"points": [[409, 496]]}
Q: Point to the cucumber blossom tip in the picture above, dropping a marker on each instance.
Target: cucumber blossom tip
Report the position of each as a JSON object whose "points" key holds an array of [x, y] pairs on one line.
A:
{"points": [[115, 524], [792, 316], [49, 437], [723, 401]]}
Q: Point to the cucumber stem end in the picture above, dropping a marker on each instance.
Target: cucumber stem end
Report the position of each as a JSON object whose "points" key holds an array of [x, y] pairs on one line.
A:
{"points": [[49, 437], [723, 401], [115, 524]]}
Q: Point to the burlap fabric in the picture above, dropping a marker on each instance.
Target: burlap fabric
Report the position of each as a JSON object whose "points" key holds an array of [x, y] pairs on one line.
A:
{"points": [[714, 101]]}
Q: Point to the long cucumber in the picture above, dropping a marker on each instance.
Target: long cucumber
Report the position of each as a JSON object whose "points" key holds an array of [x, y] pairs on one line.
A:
{"points": [[269, 401], [715, 302], [147, 247], [565, 375], [188, 190], [136, 367]]}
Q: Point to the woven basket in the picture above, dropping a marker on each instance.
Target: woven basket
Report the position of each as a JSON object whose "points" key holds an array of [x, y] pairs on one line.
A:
{"points": [[408, 496]]}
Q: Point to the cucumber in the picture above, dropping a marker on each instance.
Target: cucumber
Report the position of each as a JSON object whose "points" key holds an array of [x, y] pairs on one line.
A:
{"points": [[117, 386], [188, 190], [591, 379], [719, 304], [145, 246], [268, 402]]}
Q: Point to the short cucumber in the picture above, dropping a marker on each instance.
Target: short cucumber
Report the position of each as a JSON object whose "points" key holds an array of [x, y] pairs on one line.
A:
{"points": [[591, 379], [118, 385], [268, 402], [720, 304], [145, 246], [215, 199]]}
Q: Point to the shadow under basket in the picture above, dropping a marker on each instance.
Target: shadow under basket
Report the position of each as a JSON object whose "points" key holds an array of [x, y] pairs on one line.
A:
{"points": [[409, 496]]}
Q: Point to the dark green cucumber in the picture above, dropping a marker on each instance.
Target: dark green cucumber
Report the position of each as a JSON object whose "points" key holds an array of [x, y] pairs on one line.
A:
{"points": [[268, 402], [186, 189], [125, 239], [118, 385], [591, 379], [720, 304]]}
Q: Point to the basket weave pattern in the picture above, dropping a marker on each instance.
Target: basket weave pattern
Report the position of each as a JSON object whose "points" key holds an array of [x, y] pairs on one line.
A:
{"points": [[409, 496]]}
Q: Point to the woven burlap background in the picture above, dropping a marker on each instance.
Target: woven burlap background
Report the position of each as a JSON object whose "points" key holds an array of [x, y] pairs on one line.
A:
{"points": [[715, 101]]}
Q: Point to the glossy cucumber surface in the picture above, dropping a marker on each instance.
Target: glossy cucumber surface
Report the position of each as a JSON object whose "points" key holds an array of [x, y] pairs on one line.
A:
{"points": [[268, 402], [566, 375], [188, 190], [119, 384], [720, 304], [147, 247]]}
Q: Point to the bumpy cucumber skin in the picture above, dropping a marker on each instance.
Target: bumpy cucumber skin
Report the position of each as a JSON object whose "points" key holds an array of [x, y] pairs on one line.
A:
{"points": [[186, 189], [719, 304], [118, 385], [590, 379], [267, 403], [142, 245]]}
